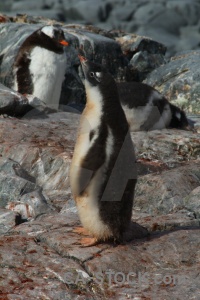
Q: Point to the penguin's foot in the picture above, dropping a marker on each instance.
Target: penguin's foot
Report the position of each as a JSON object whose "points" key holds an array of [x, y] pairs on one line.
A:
{"points": [[88, 242], [80, 230]]}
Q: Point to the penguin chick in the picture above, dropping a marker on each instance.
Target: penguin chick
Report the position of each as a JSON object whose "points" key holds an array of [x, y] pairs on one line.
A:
{"points": [[147, 109], [103, 170], [39, 67]]}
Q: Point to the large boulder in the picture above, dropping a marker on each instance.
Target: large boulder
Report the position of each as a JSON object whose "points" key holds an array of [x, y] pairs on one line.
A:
{"points": [[178, 80], [143, 54], [12, 102]]}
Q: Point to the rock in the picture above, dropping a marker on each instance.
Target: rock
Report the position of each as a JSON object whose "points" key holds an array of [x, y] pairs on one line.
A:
{"points": [[4, 19], [36, 270], [30, 205], [166, 149], [165, 23], [144, 54], [196, 120], [164, 193], [178, 80], [14, 181], [173, 23], [92, 12], [168, 222], [155, 270], [18, 192], [12, 103], [45, 149], [99, 272], [173, 16], [8, 166], [116, 16], [191, 202], [145, 63], [8, 220], [189, 35], [188, 10], [49, 9]]}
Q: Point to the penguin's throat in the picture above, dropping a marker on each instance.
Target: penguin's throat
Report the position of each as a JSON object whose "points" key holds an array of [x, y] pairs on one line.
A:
{"points": [[94, 106]]}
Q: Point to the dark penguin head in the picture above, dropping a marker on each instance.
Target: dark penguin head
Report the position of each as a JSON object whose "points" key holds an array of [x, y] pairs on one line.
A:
{"points": [[100, 80], [48, 37], [179, 119]]}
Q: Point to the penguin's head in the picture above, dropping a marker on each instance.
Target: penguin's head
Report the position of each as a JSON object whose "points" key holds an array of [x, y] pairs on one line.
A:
{"points": [[96, 75], [50, 37], [179, 119]]}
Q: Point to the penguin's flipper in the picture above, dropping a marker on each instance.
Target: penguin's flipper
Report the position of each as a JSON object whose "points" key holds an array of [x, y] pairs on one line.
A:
{"points": [[81, 178], [152, 118]]}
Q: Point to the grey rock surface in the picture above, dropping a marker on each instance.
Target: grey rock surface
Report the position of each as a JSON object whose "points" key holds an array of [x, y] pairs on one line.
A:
{"points": [[8, 220], [143, 54], [47, 259], [14, 181], [19, 191], [12, 103], [30, 205], [178, 80], [191, 202], [158, 193]]}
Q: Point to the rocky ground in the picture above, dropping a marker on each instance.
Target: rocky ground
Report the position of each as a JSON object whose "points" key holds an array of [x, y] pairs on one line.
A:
{"points": [[41, 257]]}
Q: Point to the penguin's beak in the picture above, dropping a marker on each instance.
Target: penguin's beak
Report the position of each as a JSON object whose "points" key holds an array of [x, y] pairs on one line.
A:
{"points": [[63, 42], [83, 60], [84, 66]]}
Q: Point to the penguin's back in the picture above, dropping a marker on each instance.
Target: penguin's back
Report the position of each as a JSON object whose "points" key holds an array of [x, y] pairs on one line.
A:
{"points": [[147, 109]]}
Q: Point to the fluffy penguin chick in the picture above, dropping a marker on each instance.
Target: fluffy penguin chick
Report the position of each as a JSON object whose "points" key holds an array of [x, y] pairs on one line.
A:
{"points": [[39, 67], [103, 170], [147, 109]]}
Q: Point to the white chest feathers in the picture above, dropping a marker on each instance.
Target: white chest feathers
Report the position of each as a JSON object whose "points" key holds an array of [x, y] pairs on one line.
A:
{"points": [[47, 69], [90, 122], [148, 114]]}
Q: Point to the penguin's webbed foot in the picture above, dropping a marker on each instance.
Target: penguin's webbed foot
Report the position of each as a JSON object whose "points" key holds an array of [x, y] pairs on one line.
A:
{"points": [[80, 230], [88, 242]]}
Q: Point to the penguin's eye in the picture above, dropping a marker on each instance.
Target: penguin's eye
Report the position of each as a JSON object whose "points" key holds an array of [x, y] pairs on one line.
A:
{"points": [[96, 75]]}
